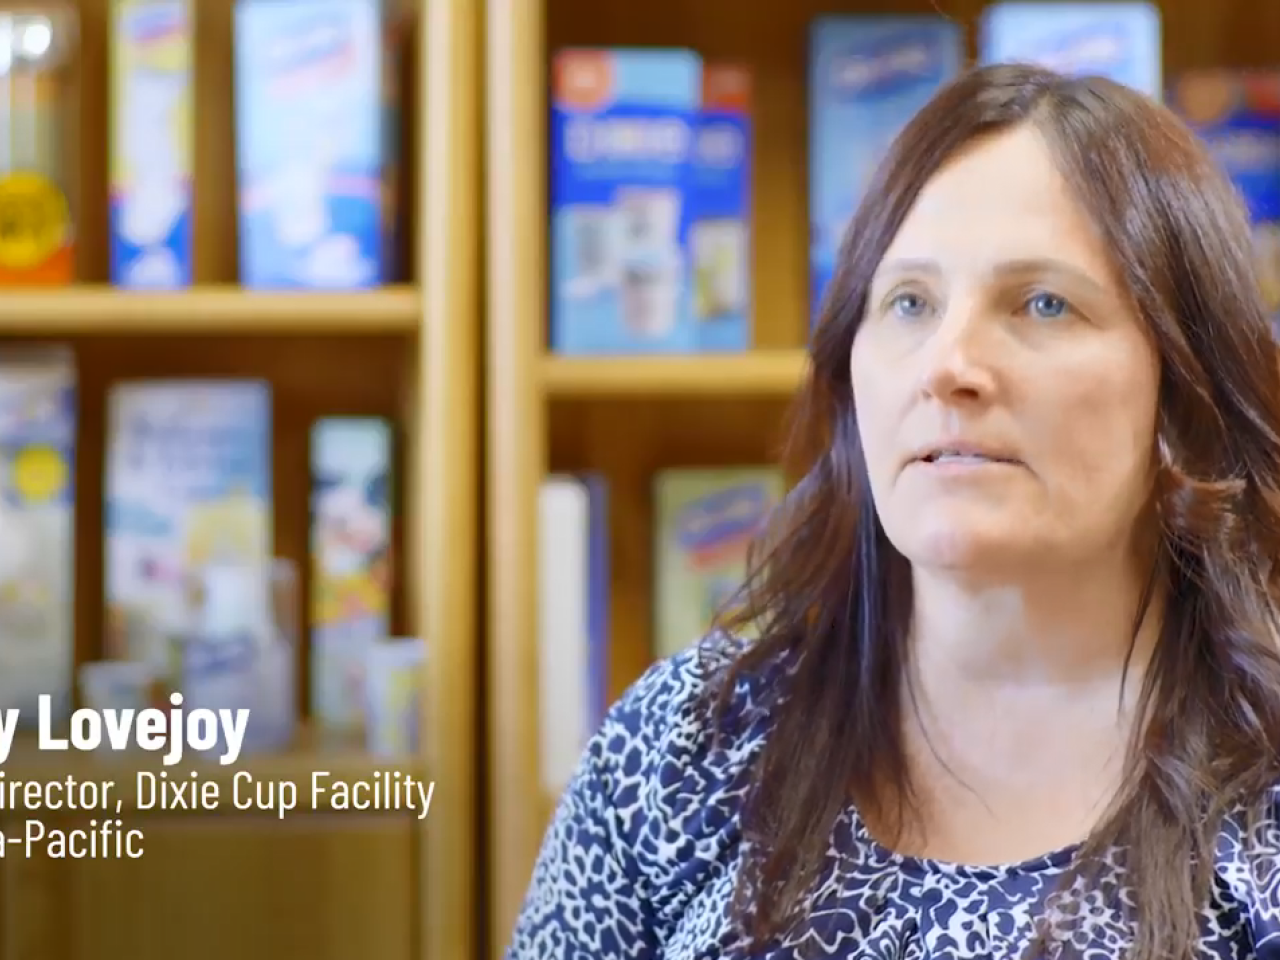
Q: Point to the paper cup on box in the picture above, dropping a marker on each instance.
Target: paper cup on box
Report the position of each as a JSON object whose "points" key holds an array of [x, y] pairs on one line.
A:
{"points": [[116, 685], [393, 696]]}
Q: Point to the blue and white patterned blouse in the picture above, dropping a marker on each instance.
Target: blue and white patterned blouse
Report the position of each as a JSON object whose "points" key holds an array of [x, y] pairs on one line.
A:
{"points": [[641, 857]]}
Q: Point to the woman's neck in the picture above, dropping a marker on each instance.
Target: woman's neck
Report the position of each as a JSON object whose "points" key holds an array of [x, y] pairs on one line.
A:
{"points": [[1058, 629], [1017, 722]]}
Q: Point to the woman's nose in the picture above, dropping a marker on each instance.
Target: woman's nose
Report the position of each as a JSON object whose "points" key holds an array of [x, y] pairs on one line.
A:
{"points": [[956, 364]]}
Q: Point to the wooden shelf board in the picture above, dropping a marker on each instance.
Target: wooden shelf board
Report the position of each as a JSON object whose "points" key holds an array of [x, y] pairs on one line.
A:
{"points": [[345, 764], [755, 373], [214, 309]]}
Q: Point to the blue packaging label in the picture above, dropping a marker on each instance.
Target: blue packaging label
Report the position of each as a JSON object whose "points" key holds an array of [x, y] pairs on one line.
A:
{"points": [[198, 459], [188, 482], [1238, 118], [622, 138], [151, 145], [868, 77], [724, 520], [720, 240], [310, 143], [1119, 41]]}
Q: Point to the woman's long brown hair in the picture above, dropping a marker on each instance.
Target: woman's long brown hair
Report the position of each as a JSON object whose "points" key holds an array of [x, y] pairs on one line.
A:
{"points": [[829, 596]]}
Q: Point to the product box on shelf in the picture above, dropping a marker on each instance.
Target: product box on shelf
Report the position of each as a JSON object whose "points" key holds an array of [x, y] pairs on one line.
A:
{"points": [[39, 148], [351, 520], [315, 126], [151, 122], [397, 24], [1118, 40], [394, 690], [188, 484], [573, 620], [37, 549], [622, 132], [720, 244], [868, 75], [705, 521], [1237, 115]]}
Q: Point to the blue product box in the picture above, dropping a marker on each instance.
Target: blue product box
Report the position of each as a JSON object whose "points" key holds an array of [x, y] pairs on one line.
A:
{"points": [[311, 143], [622, 134], [152, 112], [868, 77], [1237, 115], [720, 245], [1119, 41]]}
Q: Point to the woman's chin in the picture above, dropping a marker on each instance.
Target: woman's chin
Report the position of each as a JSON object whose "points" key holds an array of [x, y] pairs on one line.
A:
{"points": [[961, 546]]}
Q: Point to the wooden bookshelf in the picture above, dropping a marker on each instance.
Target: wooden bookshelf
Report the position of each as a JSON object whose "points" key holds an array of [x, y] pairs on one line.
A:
{"points": [[324, 884], [625, 416], [629, 416]]}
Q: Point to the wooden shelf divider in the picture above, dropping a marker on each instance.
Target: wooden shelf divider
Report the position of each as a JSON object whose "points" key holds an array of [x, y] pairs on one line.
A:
{"points": [[98, 310], [759, 373]]}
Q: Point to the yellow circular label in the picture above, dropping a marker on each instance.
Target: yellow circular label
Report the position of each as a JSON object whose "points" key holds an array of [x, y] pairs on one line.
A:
{"points": [[39, 473], [34, 220]]}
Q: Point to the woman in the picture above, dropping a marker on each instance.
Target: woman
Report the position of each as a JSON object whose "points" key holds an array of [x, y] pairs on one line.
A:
{"points": [[1016, 691]]}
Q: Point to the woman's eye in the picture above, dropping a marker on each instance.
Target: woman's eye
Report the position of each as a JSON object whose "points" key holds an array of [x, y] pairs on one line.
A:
{"points": [[1047, 306], [909, 305]]}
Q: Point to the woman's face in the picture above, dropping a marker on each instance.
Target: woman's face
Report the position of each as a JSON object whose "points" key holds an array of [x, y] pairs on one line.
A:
{"points": [[1005, 388]]}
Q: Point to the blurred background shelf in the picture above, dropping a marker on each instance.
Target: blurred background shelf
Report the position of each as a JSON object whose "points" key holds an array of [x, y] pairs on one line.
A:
{"points": [[626, 418], [98, 310], [760, 373], [326, 885]]}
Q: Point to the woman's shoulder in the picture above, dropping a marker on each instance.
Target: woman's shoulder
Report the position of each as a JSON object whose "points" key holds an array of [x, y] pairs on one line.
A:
{"points": [[671, 773], [650, 818], [668, 717]]}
